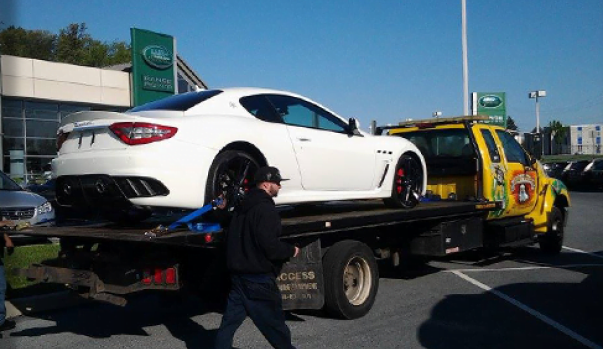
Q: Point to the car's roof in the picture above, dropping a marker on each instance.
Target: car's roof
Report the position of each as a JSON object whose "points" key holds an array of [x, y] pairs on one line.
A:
{"points": [[247, 91]]}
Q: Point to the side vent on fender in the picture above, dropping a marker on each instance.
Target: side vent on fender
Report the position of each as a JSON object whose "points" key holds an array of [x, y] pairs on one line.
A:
{"points": [[383, 176]]}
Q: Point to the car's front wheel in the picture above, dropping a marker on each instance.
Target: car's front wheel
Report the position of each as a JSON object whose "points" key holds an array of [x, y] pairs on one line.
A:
{"points": [[408, 183], [230, 176]]}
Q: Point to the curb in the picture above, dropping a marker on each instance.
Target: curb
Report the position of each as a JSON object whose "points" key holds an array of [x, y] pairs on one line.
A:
{"points": [[35, 304]]}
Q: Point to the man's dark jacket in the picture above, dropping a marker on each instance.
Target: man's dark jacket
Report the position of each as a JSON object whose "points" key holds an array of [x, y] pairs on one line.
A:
{"points": [[252, 240]]}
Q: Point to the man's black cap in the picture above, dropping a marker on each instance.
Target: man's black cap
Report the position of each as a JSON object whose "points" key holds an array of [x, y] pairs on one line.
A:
{"points": [[268, 174]]}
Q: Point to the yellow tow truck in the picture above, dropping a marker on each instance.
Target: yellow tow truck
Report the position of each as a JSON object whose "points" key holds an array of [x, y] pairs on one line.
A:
{"points": [[469, 159]]}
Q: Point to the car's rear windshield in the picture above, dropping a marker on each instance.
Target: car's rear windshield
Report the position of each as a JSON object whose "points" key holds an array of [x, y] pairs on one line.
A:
{"points": [[180, 102], [441, 143], [8, 184]]}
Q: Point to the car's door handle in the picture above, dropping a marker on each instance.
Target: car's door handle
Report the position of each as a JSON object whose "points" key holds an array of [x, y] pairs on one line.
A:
{"points": [[304, 139]]}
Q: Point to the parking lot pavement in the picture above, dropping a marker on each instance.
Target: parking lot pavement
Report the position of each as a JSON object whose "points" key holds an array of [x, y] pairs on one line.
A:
{"points": [[555, 300]]}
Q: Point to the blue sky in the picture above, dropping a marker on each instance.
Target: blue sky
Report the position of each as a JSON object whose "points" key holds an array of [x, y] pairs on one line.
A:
{"points": [[383, 60]]}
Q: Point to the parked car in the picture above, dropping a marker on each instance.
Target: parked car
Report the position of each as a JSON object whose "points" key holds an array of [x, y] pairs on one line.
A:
{"points": [[184, 150], [593, 173], [17, 204], [572, 173], [554, 169], [46, 189]]}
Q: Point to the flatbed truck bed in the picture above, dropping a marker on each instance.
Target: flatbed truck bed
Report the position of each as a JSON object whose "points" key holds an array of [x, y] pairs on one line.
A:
{"points": [[297, 222], [340, 242]]}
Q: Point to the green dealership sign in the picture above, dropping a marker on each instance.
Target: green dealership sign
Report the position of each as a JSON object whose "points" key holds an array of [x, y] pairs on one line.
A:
{"points": [[491, 104], [153, 66]]}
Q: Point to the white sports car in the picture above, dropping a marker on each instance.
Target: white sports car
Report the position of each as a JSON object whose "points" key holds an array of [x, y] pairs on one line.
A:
{"points": [[184, 150]]}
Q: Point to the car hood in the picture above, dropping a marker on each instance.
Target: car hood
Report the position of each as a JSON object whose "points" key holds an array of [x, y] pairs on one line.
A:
{"points": [[20, 198]]}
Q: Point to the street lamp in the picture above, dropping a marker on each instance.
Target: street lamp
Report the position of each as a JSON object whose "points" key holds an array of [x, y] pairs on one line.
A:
{"points": [[536, 95], [436, 114], [465, 64]]}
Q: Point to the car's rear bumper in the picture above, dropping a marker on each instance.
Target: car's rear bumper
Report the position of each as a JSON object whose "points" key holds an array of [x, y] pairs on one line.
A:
{"points": [[160, 178]]}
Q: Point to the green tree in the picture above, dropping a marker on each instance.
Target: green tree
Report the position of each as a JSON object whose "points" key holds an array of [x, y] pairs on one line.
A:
{"points": [[72, 45], [558, 131], [13, 41], [40, 45]]}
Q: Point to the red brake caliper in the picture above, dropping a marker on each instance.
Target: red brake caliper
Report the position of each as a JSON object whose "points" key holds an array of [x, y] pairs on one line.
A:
{"points": [[399, 176]]}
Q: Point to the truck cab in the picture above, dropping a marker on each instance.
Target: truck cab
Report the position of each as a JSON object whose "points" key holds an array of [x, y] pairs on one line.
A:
{"points": [[468, 159]]}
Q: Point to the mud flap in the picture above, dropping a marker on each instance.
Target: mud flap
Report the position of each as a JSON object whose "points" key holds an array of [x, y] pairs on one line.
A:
{"points": [[301, 280]]}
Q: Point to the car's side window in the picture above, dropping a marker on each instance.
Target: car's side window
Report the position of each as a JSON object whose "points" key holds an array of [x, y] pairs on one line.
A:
{"points": [[260, 107], [297, 112], [491, 144], [513, 151]]}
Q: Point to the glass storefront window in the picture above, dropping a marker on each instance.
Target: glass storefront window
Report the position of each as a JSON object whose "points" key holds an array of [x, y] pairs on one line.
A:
{"points": [[12, 109], [41, 110], [36, 168], [41, 146], [13, 127], [42, 129], [9, 144]]}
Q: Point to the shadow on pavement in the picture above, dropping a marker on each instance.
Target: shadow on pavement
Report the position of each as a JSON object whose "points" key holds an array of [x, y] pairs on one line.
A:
{"points": [[485, 320], [103, 321]]}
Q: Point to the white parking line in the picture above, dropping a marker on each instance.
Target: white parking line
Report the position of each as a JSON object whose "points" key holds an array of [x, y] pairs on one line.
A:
{"points": [[566, 266], [529, 310], [580, 251]]}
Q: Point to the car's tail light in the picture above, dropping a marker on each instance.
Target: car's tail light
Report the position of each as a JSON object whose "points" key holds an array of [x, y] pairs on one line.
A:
{"points": [[133, 133], [61, 138]]}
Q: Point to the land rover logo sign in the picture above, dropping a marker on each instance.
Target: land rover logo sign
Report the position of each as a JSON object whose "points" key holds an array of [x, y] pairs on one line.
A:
{"points": [[157, 56], [490, 101]]}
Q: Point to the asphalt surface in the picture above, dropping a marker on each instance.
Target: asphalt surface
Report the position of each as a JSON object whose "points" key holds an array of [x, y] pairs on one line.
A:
{"points": [[518, 298]]}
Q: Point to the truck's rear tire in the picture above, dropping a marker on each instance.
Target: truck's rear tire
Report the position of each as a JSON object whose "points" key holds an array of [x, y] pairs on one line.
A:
{"points": [[351, 279], [552, 241]]}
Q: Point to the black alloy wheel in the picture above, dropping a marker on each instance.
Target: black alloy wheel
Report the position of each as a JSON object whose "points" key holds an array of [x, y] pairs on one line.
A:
{"points": [[231, 177], [408, 182]]}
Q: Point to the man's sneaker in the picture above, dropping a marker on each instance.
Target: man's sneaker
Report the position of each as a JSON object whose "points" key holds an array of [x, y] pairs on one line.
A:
{"points": [[8, 325]]}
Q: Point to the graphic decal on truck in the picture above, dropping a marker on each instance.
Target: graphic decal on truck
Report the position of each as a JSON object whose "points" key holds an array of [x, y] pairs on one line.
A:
{"points": [[523, 187], [499, 189]]}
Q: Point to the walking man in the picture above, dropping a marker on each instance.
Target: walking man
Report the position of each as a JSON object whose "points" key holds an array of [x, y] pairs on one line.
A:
{"points": [[254, 255], [4, 241]]}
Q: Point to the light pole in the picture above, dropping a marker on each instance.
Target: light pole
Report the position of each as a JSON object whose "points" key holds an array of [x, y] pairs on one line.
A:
{"points": [[465, 64], [538, 137], [536, 95]]}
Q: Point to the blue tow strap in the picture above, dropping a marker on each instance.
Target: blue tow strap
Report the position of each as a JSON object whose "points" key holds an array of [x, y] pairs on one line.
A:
{"points": [[198, 227]]}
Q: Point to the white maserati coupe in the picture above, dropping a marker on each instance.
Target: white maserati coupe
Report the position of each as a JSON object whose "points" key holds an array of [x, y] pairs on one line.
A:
{"points": [[185, 150]]}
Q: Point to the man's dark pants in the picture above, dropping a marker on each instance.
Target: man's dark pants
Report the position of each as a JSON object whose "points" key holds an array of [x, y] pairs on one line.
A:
{"points": [[258, 297]]}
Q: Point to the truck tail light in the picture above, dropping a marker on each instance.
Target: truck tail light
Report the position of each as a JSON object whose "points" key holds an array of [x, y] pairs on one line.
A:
{"points": [[61, 138], [170, 276], [158, 277], [134, 133]]}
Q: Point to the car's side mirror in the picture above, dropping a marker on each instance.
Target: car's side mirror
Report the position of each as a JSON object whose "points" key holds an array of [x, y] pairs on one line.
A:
{"points": [[353, 127]]}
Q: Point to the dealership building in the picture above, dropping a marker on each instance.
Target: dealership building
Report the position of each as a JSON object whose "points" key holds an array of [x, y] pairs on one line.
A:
{"points": [[35, 95]]}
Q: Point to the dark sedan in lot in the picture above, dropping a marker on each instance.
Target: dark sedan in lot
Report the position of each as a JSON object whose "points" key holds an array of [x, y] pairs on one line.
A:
{"points": [[554, 169], [572, 174], [593, 173]]}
